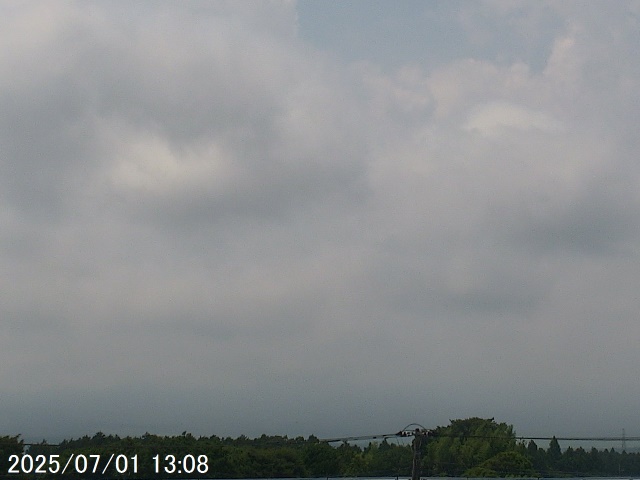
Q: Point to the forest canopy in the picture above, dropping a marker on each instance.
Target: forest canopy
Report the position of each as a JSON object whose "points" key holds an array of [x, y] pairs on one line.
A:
{"points": [[473, 447]]}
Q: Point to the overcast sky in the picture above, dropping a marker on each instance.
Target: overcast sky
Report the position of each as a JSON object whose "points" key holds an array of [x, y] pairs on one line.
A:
{"points": [[329, 218]]}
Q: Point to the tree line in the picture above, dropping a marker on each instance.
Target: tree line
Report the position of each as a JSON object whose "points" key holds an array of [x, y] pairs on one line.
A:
{"points": [[472, 447]]}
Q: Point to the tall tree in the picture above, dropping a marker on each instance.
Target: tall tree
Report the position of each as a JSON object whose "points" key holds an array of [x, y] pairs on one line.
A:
{"points": [[9, 445], [465, 444]]}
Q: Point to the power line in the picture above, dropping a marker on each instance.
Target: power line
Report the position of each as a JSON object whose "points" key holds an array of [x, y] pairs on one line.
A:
{"points": [[405, 432], [415, 430], [432, 433], [418, 432]]}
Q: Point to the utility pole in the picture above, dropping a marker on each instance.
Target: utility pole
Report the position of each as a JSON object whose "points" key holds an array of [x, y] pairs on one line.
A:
{"points": [[418, 434], [415, 468]]}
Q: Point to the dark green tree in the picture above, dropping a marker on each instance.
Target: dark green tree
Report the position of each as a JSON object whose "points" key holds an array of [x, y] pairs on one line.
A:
{"points": [[504, 464], [554, 455], [321, 459], [465, 444], [9, 445]]}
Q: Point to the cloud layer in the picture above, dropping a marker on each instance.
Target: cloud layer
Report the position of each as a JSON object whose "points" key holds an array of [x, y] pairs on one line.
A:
{"points": [[208, 223]]}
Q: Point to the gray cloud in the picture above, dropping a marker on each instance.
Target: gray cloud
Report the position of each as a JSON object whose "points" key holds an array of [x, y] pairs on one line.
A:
{"points": [[206, 224]]}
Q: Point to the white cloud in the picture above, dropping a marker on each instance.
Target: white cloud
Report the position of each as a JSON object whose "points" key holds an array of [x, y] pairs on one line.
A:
{"points": [[148, 165], [495, 118]]}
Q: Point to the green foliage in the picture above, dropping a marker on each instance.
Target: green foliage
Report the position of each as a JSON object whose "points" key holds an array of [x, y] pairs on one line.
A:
{"points": [[321, 460], [9, 445], [387, 459], [504, 464], [553, 452], [465, 444], [472, 447]]}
